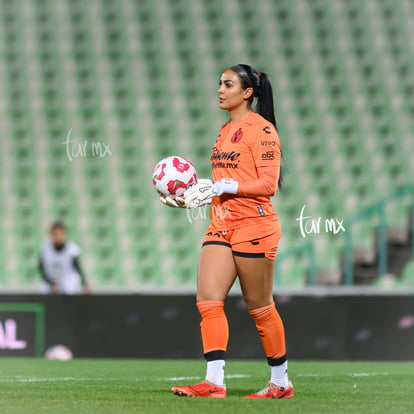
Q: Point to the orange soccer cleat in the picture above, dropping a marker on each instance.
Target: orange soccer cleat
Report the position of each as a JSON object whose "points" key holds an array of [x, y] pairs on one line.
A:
{"points": [[203, 389], [273, 391]]}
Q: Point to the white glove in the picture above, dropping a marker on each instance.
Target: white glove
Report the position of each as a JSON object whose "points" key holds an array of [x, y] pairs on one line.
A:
{"points": [[177, 202], [199, 194], [225, 185]]}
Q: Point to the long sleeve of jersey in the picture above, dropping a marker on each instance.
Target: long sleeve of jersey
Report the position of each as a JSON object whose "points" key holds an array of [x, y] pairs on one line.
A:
{"points": [[265, 185]]}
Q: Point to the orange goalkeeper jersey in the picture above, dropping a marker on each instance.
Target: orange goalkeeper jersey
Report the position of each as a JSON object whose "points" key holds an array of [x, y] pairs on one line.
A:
{"points": [[241, 148]]}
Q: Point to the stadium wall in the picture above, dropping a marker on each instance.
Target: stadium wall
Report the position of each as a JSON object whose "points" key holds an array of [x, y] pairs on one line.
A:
{"points": [[350, 327]]}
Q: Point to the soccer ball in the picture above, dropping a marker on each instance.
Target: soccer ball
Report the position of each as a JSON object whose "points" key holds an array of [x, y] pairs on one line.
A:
{"points": [[173, 175], [59, 353]]}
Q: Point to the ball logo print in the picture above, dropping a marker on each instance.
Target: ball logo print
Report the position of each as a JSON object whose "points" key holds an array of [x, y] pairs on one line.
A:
{"points": [[180, 166], [160, 175], [237, 136], [173, 175], [174, 185]]}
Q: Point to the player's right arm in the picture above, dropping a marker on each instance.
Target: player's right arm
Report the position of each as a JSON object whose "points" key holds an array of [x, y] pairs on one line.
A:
{"points": [[52, 284]]}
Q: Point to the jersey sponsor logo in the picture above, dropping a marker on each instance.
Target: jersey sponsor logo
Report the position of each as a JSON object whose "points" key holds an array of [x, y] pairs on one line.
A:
{"points": [[237, 136], [268, 156], [267, 130], [219, 155], [225, 165], [268, 142]]}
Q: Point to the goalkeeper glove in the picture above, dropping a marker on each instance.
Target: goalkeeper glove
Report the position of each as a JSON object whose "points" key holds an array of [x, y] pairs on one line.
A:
{"points": [[199, 194], [177, 202]]}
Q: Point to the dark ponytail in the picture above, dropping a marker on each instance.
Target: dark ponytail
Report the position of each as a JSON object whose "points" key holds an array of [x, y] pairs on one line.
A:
{"points": [[262, 91], [264, 104]]}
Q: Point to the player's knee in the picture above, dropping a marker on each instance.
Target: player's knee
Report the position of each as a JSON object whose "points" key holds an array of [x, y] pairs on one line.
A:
{"points": [[204, 297], [201, 298], [255, 302]]}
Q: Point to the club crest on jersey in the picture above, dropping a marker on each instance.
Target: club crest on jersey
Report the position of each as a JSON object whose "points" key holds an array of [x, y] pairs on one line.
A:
{"points": [[237, 136]]}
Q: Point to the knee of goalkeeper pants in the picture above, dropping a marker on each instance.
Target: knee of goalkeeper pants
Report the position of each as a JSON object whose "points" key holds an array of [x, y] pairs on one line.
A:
{"points": [[214, 326], [271, 331]]}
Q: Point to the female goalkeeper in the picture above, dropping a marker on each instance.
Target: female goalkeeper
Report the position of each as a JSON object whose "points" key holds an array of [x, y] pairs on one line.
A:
{"points": [[244, 232]]}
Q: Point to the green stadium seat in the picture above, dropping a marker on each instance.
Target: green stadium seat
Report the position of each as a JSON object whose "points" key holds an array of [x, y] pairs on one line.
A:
{"points": [[343, 80]]}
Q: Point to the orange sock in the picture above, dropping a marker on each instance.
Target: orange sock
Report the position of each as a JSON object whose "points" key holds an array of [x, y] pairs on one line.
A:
{"points": [[272, 333], [214, 327]]}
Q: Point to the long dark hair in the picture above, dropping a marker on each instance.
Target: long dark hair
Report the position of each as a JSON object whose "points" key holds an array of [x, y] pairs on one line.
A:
{"points": [[262, 92]]}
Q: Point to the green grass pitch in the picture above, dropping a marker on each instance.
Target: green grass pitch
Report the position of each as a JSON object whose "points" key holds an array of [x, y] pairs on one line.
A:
{"points": [[143, 386]]}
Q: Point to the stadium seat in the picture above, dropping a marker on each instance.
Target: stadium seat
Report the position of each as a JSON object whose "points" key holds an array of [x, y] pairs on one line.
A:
{"points": [[98, 73]]}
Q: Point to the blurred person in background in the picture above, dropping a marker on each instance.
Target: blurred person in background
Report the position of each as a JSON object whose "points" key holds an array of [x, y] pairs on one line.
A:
{"points": [[59, 264]]}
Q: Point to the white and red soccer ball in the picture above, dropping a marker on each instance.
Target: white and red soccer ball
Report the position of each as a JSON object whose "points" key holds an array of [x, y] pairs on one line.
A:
{"points": [[59, 353], [173, 175]]}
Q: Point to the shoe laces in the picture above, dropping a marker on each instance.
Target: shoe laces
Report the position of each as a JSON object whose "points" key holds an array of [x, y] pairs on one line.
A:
{"points": [[269, 387]]}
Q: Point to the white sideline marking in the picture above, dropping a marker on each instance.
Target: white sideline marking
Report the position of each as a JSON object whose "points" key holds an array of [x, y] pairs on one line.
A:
{"points": [[35, 379], [47, 379], [19, 378], [183, 378], [354, 374], [178, 378], [198, 378], [64, 379]]}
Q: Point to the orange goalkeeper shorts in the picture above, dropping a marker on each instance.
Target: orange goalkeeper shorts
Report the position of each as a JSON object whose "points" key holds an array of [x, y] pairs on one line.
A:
{"points": [[258, 240]]}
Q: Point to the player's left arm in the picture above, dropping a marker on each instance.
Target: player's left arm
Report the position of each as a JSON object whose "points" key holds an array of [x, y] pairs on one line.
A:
{"points": [[266, 153], [264, 185], [78, 267]]}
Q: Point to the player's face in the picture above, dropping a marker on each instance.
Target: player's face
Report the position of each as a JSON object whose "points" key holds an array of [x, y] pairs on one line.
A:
{"points": [[230, 91], [58, 236]]}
